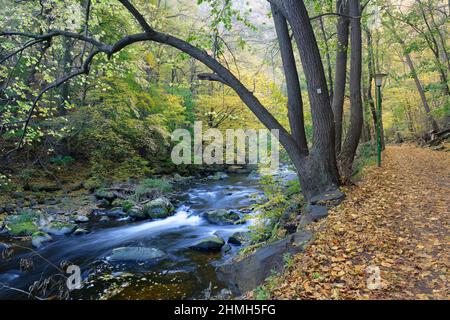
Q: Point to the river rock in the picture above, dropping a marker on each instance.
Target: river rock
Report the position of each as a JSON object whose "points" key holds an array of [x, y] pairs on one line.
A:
{"points": [[81, 219], [137, 254], [104, 194], [113, 213], [158, 208], [80, 231], [57, 228], [226, 248], [104, 219], [103, 203], [45, 187], [238, 238], [137, 212], [210, 244], [245, 274], [17, 195], [218, 176], [222, 216], [40, 238]]}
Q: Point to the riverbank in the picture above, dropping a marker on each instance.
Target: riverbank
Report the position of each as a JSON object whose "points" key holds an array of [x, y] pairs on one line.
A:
{"points": [[392, 229]]}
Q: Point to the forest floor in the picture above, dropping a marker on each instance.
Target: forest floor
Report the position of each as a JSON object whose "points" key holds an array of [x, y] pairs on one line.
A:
{"points": [[395, 220]]}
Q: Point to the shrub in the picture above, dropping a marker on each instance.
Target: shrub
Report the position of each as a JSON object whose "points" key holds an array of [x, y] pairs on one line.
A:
{"points": [[62, 160]]}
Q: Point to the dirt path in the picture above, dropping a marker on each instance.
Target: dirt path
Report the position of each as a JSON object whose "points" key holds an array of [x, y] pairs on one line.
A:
{"points": [[397, 219]]}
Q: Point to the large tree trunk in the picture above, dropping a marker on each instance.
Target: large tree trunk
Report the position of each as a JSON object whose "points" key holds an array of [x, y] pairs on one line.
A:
{"points": [[341, 72], [345, 159], [319, 173], [295, 102]]}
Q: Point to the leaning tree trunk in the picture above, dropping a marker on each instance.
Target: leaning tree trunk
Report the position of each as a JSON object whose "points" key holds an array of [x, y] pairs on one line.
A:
{"points": [[341, 72], [345, 159], [318, 172]]}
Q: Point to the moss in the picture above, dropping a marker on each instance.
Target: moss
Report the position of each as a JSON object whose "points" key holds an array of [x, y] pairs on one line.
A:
{"points": [[39, 234], [22, 224], [60, 225], [127, 205], [92, 184]]}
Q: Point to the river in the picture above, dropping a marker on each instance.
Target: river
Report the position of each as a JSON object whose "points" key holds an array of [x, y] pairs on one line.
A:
{"points": [[184, 275]]}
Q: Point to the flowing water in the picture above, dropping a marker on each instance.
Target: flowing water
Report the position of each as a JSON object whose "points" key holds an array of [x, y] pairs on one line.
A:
{"points": [[185, 274]]}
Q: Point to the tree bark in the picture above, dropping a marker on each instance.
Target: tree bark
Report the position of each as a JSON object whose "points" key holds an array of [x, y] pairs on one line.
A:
{"points": [[341, 72], [295, 102], [370, 74], [319, 173], [345, 159]]}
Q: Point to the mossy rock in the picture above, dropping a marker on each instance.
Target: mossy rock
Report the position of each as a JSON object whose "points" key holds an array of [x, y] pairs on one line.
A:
{"points": [[58, 228], [91, 184], [105, 194], [117, 203], [39, 238], [158, 208], [127, 205], [222, 216], [137, 212], [23, 224], [238, 238], [210, 244], [45, 188]]}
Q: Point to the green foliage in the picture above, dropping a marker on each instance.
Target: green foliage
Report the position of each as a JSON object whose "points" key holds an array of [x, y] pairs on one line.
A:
{"points": [[22, 224], [366, 156], [62, 160], [148, 188], [159, 184], [5, 182], [267, 223], [264, 291]]}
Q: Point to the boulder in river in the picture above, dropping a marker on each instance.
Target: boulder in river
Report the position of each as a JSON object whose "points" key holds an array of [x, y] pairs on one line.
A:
{"points": [[158, 208], [137, 254], [238, 238], [218, 176], [222, 216], [24, 224], [245, 274], [81, 219], [137, 212], [80, 231], [40, 238], [58, 228], [209, 244]]}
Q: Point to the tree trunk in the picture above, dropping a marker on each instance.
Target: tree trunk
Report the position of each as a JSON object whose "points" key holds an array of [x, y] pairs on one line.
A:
{"points": [[370, 74], [295, 102], [410, 64], [319, 174], [345, 159], [64, 89], [327, 56], [341, 73]]}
